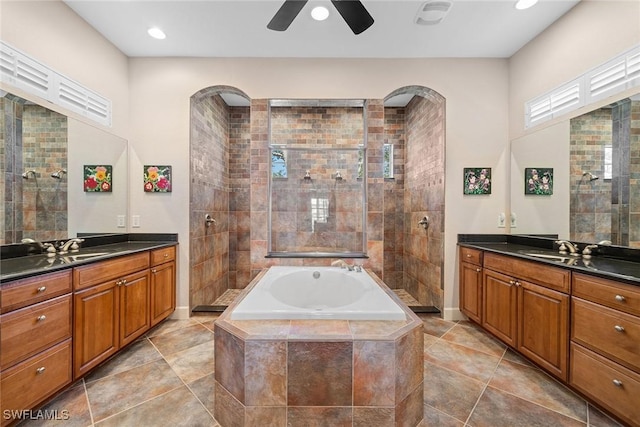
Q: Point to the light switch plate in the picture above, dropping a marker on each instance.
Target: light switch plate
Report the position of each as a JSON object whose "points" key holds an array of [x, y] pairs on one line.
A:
{"points": [[121, 221], [135, 221]]}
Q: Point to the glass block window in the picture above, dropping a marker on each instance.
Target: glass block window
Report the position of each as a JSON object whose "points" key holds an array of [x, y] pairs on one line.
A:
{"points": [[387, 161], [608, 161], [278, 164]]}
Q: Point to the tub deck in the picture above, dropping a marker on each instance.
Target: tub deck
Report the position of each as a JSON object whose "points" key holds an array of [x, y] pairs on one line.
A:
{"points": [[338, 372]]}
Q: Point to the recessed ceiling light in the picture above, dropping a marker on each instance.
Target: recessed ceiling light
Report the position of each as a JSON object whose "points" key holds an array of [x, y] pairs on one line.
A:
{"points": [[525, 4], [157, 33], [319, 13]]}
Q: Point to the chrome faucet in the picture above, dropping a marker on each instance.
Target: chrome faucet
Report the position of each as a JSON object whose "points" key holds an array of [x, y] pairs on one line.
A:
{"points": [[342, 264], [43, 247], [71, 244], [566, 245]]}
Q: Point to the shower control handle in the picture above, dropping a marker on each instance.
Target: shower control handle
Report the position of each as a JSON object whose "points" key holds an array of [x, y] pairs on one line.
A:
{"points": [[424, 222], [208, 220]]}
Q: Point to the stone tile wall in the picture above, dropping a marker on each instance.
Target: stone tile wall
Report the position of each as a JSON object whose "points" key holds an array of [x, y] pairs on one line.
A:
{"points": [[590, 204], [209, 246], [239, 197], [44, 149], [424, 196], [634, 176], [394, 133]]}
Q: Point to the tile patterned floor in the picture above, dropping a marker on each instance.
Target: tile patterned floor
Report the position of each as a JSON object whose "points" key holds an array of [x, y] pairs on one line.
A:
{"points": [[471, 379]]}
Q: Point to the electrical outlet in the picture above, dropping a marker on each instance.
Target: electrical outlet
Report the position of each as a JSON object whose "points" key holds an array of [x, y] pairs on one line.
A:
{"points": [[121, 223], [514, 220], [135, 221], [501, 220]]}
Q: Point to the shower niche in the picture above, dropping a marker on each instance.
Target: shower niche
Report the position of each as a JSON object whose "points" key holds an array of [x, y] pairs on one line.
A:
{"points": [[317, 181]]}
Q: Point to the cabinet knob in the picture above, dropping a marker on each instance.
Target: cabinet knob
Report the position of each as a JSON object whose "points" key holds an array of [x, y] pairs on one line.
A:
{"points": [[41, 289], [40, 370], [41, 318], [166, 255], [124, 281], [512, 282], [119, 282], [468, 255], [478, 270], [154, 271], [620, 298], [617, 383], [619, 328]]}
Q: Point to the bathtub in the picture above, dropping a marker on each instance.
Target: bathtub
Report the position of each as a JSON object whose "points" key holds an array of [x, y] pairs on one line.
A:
{"points": [[317, 293]]}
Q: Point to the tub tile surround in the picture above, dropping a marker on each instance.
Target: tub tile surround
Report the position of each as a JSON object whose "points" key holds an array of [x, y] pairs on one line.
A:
{"points": [[337, 372]]}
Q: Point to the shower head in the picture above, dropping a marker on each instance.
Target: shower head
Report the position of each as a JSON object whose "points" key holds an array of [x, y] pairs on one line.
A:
{"points": [[338, 176], [26, 174], [591, 176], [58, 174]]}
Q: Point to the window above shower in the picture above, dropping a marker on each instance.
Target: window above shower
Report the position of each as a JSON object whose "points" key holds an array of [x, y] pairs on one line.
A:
{"points": [[317, 188]]}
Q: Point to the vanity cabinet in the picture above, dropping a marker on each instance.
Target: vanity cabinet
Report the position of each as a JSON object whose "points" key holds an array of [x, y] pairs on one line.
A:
{"points": [[163, 284], [605, 344], [526, 305], [112, 306], [35, 339], [471, 283]]}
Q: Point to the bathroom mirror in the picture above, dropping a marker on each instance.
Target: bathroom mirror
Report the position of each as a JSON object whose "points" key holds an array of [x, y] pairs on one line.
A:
{"points": [[46, 161], [317, 180], [595, 164]]}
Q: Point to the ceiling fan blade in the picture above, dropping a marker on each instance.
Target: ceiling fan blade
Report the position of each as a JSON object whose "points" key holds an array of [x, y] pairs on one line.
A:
{"points": [[286, 14], [354, 14]]}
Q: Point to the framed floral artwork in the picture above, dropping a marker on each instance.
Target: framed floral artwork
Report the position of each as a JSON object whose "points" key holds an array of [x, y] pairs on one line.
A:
{"points": [[477, 181], [157, 179], [538, 181], [98, 178]]}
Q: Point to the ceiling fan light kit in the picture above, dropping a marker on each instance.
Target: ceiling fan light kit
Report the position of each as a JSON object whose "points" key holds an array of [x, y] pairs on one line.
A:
{"points": [[352, 11], [432, 12]]}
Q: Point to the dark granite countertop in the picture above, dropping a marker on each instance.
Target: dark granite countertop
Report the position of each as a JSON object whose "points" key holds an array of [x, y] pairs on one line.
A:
{"points": [[613, 262], [16, 263]]}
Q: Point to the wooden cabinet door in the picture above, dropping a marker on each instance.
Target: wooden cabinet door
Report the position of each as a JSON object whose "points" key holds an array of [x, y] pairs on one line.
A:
{"points": [[163, 291], [543, 320], [134, 306], [499, 305], [95, 326], [471, 291]]}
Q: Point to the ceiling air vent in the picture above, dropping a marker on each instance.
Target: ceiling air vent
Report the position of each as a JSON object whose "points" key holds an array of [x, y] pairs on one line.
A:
{"points": [[25, 73], [432, 12]]}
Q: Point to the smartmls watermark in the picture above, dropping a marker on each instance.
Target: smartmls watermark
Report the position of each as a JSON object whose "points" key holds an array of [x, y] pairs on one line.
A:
{"points": [[27, 414]]}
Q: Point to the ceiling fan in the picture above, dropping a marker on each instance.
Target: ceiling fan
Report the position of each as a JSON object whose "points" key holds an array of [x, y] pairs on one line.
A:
{"points": [[352, 11]]}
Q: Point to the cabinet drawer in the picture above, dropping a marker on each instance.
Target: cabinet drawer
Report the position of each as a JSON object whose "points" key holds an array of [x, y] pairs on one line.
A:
{"points": [[607, 331], [613, 386], [24, 292], [620, 296], [105, 271], [541, 274], [27, 384], [30, 330], [472, 256], [163, 255]]}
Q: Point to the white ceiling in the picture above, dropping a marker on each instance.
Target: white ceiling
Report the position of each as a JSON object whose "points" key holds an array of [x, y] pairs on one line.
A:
{"points": [[237, 28]]}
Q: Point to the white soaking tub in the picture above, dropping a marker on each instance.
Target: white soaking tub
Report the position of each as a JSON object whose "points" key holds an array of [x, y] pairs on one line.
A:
{"points": [[317, 293]]}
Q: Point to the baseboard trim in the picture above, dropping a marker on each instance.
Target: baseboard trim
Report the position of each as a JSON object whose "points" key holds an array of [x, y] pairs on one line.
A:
{"points": [[453, 314], [181, 313]]}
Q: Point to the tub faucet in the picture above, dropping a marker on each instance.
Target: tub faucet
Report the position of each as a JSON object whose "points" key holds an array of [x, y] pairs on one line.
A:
{"points": [[566, 245], [342, 264], [69, 244]]}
